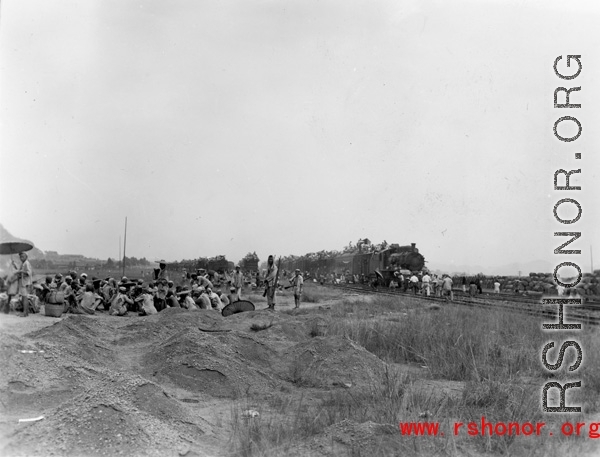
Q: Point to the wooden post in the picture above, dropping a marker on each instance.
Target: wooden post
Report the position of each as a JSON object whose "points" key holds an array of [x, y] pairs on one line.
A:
{"points": [[124, 246]]}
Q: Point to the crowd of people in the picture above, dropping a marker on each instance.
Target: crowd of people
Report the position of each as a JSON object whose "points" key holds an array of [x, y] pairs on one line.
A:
{"points": [[424, 284], [81, 294]]}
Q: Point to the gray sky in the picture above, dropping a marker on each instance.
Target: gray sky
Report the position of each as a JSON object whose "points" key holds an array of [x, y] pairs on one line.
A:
{"points": [[289, 127]]}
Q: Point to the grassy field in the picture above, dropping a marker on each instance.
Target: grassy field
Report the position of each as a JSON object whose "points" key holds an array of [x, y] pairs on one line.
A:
{"points": [[446, 365]]}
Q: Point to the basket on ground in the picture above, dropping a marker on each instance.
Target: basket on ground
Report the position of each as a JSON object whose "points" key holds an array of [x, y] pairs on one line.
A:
{"points": [[237, 307], [54, 309]]}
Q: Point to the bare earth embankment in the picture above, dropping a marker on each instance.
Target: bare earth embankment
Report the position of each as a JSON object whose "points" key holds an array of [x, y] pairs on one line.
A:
{"points": [[334, 378]]}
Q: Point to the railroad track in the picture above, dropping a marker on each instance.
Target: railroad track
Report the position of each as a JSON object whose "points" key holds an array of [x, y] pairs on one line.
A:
{"points": [[588, 313]]}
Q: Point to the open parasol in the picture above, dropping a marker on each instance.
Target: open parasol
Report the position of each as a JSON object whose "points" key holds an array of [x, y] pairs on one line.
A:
{"points": [[12, 245], [237, 307]]}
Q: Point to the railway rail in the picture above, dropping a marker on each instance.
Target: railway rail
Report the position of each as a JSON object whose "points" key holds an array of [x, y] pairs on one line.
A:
{"points": [[588, 312]]}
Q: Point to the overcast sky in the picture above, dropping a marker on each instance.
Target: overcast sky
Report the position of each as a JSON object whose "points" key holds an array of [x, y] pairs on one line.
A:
{"points": [[289, 127]]}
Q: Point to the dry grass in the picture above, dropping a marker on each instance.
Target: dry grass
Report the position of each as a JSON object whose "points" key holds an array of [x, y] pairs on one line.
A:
{"points": [[496, 356]]}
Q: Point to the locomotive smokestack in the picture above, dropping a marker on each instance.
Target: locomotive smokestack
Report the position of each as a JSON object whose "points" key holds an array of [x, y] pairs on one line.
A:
{"points": [[414, 245]]}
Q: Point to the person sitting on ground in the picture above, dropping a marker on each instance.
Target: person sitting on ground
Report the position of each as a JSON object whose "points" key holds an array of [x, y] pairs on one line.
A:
{"points": [[224, 299], [60, 282], [90, 300], [160, 297], [171, 300], [82, 279], [69, 294], [108, 291], [204, 282], [146, 299], [185, 300], [215, 301], [119, 304], [203, 301], [185, 279], [233, 296], [171, 286], [47, 286]]}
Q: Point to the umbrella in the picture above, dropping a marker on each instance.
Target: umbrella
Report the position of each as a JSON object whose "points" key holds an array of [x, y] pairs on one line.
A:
{"points": [[12, 245], [237, 307]]}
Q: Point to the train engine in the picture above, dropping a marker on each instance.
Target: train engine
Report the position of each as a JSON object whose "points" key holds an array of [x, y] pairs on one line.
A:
{"points": [[400, 258]]}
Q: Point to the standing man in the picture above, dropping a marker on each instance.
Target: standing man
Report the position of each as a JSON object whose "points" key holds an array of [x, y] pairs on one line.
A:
{"points": [[270, 282], [427, 284], [162, 272], [297, 283], [12, 282], [414, 283], [497, 286], [25, 275], [447, 288], [237, 281]]}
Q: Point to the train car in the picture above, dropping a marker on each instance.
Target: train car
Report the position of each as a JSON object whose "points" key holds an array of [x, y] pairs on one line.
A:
{"points": [[343, 264], [362, 264]]}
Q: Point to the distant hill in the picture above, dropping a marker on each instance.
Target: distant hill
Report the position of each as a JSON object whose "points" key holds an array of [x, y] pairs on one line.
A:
{"points": [[35, 253]]}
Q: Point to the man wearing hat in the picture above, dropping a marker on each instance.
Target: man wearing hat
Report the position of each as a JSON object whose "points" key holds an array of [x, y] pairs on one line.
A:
{"points": [[119, 304], [185, 299], [203, 300], [25, 276], [215, 300], [224, 298], [162, 272], [232, 296], [270, 285], [297, 282], [237, 281]]}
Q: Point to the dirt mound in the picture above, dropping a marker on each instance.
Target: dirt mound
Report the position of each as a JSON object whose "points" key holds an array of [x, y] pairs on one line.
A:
{"points": [[218, 363], [164, 384], [79, 336], [282, 329], [331, 361]]}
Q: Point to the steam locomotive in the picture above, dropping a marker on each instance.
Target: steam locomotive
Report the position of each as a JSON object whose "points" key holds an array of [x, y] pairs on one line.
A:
{"points": [[361, 264]]}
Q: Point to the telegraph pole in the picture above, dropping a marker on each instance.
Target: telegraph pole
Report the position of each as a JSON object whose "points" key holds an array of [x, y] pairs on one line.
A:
{"points": [[124, 246]]}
